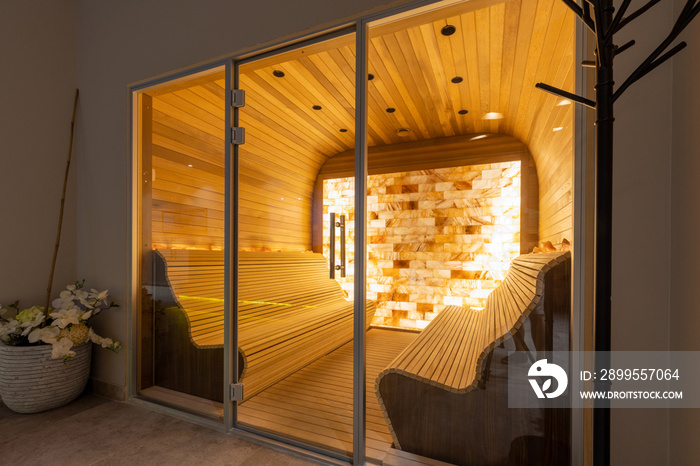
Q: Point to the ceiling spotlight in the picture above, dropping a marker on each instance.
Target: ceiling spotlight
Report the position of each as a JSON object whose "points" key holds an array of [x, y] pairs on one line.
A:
{"points": [[317, 107], [457, 79], [343, 130], [448, 30], [403, 131], [493, 116], [390, 110], [564, 102], [189, 166], [463, 112], [278, 74], [558, 128], [481, 136], [370, 77]]}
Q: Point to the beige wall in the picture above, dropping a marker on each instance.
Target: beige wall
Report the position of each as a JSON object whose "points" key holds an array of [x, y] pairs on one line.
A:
{"points": [[641, 234], [37, 87], [685, 225]]}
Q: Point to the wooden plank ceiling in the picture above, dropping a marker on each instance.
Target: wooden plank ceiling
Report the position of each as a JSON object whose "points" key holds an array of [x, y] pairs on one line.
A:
{"points": [[498, 49]]}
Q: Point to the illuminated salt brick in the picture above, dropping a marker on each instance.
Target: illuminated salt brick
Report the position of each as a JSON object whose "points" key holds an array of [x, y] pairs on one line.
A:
{"points": [[452, 300], [408, 323]]}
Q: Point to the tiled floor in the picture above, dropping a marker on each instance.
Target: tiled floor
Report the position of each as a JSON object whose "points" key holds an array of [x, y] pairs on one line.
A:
{"points": [[97, 431]]}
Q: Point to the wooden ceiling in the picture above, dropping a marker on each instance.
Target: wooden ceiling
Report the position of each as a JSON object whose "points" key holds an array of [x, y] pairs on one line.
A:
{"points": [[499, 52], [499, 49]]}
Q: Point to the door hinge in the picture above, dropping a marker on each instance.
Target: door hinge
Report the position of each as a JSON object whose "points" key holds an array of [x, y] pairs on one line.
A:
{"points": [[236, 392], [237, 98], [238, 135]]}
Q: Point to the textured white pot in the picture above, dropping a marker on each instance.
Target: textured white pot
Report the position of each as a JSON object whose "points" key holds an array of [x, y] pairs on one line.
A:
{"points": [[31, 382]]}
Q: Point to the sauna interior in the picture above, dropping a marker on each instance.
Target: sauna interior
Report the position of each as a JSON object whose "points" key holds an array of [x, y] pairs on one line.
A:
{"points": [[469, 166]]}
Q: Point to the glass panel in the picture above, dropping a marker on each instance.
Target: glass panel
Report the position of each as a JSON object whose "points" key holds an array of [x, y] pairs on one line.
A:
{"points": [[295, 322], [181, 229], [470, 170]]}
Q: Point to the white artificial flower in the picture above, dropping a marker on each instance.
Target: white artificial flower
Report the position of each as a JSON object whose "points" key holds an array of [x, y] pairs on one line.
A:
{"points": [[87, 303], [28, 326], [46, 334], [65, 317], [103, 342], [86, 315], [80, 294], [70, 287], [2, 310], [8, 328], [99, 295], [62, 349]]}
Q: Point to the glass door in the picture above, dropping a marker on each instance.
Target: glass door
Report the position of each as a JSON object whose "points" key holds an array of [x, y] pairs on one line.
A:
{"points": [[295, 316], [180, 167]]}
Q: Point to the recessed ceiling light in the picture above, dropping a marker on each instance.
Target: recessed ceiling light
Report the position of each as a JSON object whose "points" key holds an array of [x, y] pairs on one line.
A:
{"points": [[481, 136], [448, 30], [558, 128], [370, 77], [189, 165], [457, 79], [343, 130], [390, 110], [463, 112], [317, 107], [493, 116], [278, 74], [403, 131], [564, 102]]}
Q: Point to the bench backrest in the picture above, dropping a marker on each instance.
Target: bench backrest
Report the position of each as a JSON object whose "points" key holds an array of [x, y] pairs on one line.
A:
{"points": [[450, 352], [271, 284]]}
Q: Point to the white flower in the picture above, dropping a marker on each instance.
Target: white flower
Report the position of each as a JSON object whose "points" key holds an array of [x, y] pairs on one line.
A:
{"points": [[104, 342], [86, 315], [8, 328], [62, 349], [99, 295], [46, 334], [29, 325], [64, 317], [70, 287], [80, 294], [2, 310]]}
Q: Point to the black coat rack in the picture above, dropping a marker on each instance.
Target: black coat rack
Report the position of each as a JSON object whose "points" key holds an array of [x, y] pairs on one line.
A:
{"points": [[600, 17]]}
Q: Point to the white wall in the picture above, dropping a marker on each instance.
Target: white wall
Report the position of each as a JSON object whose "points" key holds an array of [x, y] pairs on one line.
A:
{"points": [[131, 40], [37, 87]]}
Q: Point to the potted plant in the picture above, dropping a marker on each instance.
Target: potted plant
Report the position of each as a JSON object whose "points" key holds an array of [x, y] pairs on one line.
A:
{"points": [[45, 359]]}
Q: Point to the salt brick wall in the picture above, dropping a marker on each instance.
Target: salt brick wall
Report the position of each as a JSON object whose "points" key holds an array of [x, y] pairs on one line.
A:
{"points": [[435, 237]]}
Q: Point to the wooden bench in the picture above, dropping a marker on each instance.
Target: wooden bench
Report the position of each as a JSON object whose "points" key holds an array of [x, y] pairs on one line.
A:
{"points": [[290, 314], [429, 393]]}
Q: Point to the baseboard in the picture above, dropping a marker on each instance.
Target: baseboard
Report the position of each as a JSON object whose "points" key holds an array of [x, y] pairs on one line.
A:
{"points": [[106, 389]]}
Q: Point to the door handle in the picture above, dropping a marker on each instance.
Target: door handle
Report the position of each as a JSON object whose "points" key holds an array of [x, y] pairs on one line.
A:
{"points": [[339, 224]]}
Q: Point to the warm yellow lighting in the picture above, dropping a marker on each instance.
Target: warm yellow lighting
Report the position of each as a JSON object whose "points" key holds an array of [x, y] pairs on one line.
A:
{"points": [[481, 136], [558, 128], [564, 102], [493, 116]]}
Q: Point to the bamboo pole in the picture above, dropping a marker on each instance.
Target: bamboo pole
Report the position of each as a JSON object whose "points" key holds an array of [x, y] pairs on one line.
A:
{"points": [[60, 215]]}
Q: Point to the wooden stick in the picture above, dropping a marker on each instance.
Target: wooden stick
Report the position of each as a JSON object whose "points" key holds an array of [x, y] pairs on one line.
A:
{"points": [[60, 215]]}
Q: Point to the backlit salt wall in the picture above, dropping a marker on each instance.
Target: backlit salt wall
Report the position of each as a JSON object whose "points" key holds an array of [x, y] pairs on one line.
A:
{"points": [[435, 237]]}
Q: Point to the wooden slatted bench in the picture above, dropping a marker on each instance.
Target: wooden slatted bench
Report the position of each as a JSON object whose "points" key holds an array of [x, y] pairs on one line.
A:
{"points": [[290, 314], [428, 392]]}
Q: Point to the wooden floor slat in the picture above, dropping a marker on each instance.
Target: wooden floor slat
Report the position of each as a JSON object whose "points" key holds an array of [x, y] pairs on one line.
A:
{"points": [[314, 405]]}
